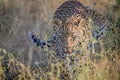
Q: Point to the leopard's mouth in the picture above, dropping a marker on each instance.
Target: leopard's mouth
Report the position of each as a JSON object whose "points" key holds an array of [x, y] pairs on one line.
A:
{"points": [[68, 50]]}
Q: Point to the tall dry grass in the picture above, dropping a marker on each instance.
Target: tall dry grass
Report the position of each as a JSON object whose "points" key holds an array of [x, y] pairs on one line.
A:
{"points": [[19, 17]]}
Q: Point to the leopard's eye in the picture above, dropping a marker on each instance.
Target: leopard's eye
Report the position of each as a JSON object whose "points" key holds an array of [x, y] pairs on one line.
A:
{"points": [[77, 23]]}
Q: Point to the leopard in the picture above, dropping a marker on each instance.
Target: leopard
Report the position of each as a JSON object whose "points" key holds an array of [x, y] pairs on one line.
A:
{"points": [[77, 30], [72, 31]]}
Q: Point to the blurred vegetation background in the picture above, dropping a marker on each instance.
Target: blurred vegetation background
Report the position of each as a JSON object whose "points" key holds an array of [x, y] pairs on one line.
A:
{"points": [[19, 17]]}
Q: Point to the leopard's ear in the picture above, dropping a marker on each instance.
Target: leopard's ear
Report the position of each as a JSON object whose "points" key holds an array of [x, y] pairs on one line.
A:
{"points": [[57, 22]]}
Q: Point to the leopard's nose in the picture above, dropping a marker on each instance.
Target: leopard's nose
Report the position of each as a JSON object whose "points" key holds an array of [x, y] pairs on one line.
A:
{"points": [[67, 50]]}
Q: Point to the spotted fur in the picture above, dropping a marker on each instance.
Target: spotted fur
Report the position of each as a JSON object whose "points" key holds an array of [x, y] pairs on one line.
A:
{"points": [[72, 29]]}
